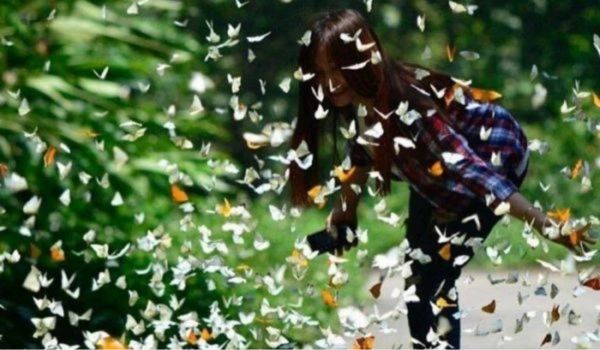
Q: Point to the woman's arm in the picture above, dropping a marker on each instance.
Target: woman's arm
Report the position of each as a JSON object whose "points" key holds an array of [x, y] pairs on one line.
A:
{"points": [[522, 209], [481, 179], [359, 177], [576, 239], [347, 213]]}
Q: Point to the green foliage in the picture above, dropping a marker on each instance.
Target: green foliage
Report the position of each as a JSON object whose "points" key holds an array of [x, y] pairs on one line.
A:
{"points": [[51, 64], [131, 129]]}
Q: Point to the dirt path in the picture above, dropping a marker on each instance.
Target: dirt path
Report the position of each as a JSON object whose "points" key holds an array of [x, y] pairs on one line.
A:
{"points": [[481, 292]]}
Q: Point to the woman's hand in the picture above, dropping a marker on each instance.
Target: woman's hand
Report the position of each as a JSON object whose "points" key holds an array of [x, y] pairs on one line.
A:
{"points": [[342, 219], [575, 239]]}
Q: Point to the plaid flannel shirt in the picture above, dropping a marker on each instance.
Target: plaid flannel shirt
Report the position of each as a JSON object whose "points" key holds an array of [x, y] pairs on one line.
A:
{"points": [[472, 177]]}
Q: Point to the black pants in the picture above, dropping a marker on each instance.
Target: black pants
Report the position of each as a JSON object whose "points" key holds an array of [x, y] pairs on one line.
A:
{"points": [[437, 278]]}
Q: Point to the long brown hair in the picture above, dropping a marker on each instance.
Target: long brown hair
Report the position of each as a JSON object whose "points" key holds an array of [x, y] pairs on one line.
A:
{"points": [[388, 83]]}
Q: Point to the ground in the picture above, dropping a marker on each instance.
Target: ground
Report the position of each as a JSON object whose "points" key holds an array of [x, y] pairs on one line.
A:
{"points": [[480, 292]]}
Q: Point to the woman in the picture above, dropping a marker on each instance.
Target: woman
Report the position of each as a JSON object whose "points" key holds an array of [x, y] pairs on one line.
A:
{"points": [[463, 159]]}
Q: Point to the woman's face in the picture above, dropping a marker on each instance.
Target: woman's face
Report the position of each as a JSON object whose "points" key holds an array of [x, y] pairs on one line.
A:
{"points": [[330, 77]]}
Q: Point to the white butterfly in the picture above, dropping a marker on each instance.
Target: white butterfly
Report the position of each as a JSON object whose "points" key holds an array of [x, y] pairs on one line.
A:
{"points": [[409, 294], [305, 40], [469, 55], [461, 82], [502, 208], [460, 8], [24, 107], [285, 84], [212, 36], [438, 93], [43, 325], [420, 90], [393, 219], [15, 183], [196, 106], [346, 38], [239, 4], [587, 256], [103, 278], [409, 117], [15, 94], [321, 113], [103, 74], [375, 131], [75, 318], [417, 254], [319, 95], [65, 280], [452, 157], [121, 282], [51, 15], [299, 75], [404, 142], [32, 205], [350, 132], [133, 8], [405, 269], [421, 73], [493, 254], [442, 238], [235, 228], [460, 260], [580, 94], [484, 134], [375, 57], [73, 294], [306, 251], [235, 82], [357, 66], [564, 108], [363, 47], [548, 265], [240, 111], [260, 243], [421, 22], [383, 115], [233, 31], [276, 213], [117, 200], [474, 218], [258, 38], [181, 24], [13, 257], [362, 235], [332, 88], [496, 159], [247, 319]]}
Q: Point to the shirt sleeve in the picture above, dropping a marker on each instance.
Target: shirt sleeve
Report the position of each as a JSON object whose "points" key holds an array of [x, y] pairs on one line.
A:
{"points": [[467, 167]]}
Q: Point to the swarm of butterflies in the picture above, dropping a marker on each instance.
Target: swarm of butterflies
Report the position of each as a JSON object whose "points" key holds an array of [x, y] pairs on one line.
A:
{"points": [[146, 329]]}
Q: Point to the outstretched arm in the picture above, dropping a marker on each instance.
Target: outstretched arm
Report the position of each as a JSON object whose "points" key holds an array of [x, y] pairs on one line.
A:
{"points": [[481, 180], [576, 237], [522, 209]]}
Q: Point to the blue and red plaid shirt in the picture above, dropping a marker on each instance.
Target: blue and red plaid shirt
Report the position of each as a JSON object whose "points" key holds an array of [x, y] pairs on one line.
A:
{"points": [[472, 177]]}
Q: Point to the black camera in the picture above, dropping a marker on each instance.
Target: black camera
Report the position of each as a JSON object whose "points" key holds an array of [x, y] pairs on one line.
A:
{"points": [[323, 241]]}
